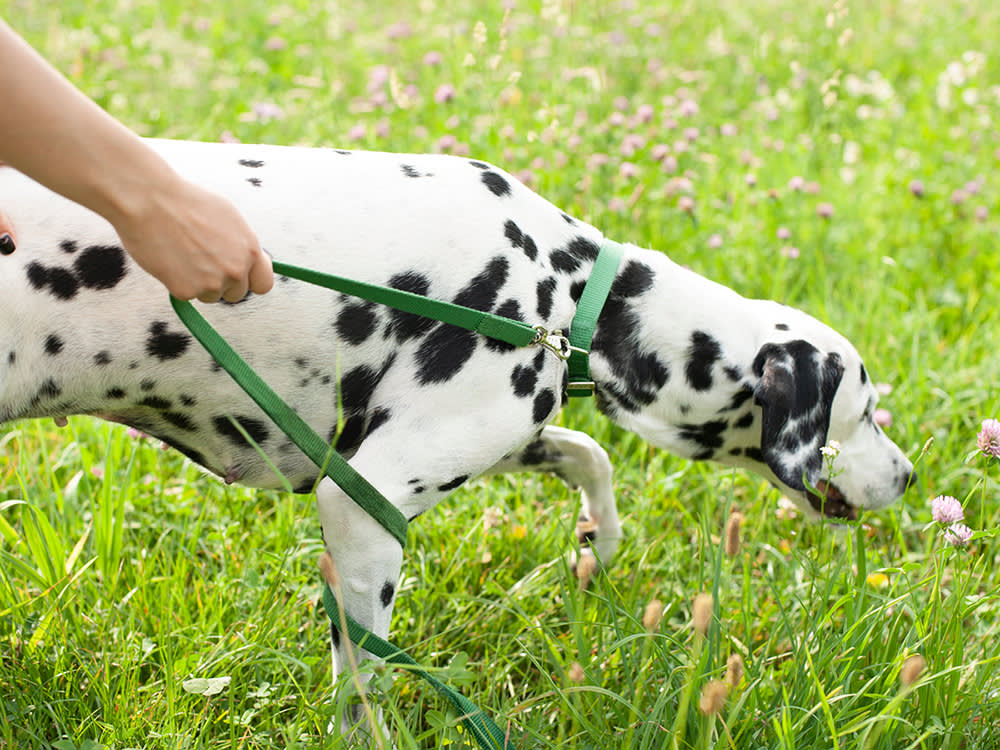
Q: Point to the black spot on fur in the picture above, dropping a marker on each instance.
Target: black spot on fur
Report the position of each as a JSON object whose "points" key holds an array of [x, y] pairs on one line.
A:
{"points": [[524, 380], [255, 181], [53, 344], [155, 402], [563, 262], [165, 345], [708, 436], [582, 248], [177, 445], [479, 165], [100, 266], [61, 283], [68, 246], [346, 437], [639, 375], [864, 375], [568, 219], [409, 170], [545, 402], [754, 454], [11, 358], [739, 398], [252, 163], [454, 483], [513, 233], [407, 325], [256, 429], [508, 309], [187, 400], [356, 322], [634, 279], [102, 358], [539, 361], [744, 422], [534, 453], [388, 591], [733, 372], [379, 417], [147, 384], [356, 388], [443, 353], [481, 292], [181, 421], [781, 326], [530, 248], [576, 290], [497, 184], [48, 390], [545, 289], [115, 393], [702, 355]]}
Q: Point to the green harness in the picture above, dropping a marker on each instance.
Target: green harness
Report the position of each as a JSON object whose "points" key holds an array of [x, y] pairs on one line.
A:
{"points": [[574, 349]]}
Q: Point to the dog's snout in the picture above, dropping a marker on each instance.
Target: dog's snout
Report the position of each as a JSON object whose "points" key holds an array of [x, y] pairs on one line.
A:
{"points": [[907, 480]]}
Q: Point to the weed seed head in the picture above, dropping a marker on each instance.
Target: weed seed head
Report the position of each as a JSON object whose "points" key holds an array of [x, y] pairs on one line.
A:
{"points": [[713, 697], [732, 539], [701, 613], [652, 615], [734, 670], [911, 670]]}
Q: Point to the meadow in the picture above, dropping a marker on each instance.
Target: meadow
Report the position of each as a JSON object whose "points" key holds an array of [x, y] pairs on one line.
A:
{"points": [[837, 156]]}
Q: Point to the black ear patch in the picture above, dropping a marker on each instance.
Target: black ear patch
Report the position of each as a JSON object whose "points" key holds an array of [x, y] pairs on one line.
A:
{"points": [[795, 392]]}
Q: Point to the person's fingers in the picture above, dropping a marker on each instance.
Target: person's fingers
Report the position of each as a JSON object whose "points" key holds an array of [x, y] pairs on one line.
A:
{"points": [[261, 274]]}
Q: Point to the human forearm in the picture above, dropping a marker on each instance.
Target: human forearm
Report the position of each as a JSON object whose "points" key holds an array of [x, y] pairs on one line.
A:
{"points": [[67, 142]]}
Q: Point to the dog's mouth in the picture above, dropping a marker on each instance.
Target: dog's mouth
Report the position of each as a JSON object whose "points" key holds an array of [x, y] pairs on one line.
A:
{"points": [[830, 501]]}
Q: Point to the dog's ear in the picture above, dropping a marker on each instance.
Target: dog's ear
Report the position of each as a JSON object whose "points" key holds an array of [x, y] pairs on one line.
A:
{"points": [[795, 391]]}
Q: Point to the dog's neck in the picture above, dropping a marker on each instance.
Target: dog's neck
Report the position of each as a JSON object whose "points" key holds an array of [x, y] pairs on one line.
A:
{"points": [[672, 351]]}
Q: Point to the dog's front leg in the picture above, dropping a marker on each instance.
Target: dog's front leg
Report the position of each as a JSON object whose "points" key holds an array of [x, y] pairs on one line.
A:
{"points": [[366, 566], [580, 462]]}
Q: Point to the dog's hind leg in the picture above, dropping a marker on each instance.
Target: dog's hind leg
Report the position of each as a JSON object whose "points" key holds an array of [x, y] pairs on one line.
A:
{"points": [[580, 462]]}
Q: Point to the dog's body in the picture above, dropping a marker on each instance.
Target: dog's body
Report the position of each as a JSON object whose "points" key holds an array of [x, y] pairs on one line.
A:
{"points": [[420, 407]]}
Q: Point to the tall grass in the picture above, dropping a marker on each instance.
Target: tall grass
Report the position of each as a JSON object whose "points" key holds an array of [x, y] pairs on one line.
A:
{"points": [[840, 157]]}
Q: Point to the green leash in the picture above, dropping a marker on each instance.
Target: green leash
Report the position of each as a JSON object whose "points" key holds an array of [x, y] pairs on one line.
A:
{"points": [[575, 349]]}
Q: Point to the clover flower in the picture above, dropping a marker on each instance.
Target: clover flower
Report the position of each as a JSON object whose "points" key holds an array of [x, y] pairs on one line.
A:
{"points": [[946, 510], [958, 535], [988, 438]]}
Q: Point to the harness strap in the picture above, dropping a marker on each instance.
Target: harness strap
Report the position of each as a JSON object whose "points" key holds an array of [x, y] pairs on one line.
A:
{"points": [[479, 725], [331, 463], [588, 309], [334, 466], [492, 326]]}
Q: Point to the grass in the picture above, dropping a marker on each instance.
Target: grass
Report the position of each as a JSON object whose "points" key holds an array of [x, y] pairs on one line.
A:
{"points": [[125, 573]]}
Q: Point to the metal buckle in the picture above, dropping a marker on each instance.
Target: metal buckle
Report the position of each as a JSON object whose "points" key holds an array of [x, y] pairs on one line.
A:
{"points": [[584, 388], [561, 347]]}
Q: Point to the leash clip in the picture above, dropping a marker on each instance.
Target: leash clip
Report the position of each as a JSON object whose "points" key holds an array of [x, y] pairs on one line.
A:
{"points": [[560, 346]]}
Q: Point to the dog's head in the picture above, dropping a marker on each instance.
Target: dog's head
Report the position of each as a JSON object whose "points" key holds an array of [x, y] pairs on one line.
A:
{"points": [[818, 435]]}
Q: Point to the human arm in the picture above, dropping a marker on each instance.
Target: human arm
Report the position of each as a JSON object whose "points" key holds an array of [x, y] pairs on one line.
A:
{"points": [[193, 240]]}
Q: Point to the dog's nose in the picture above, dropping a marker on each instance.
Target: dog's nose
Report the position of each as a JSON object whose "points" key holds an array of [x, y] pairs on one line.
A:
{"points": [[907, 480]]}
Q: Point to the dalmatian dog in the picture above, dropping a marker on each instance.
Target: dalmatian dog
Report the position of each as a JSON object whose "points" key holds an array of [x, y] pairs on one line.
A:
{"points": [[418, 407]]}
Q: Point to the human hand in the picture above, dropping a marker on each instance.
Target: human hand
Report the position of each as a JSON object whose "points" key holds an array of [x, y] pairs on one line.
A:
{"points": [[196, 242]]}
